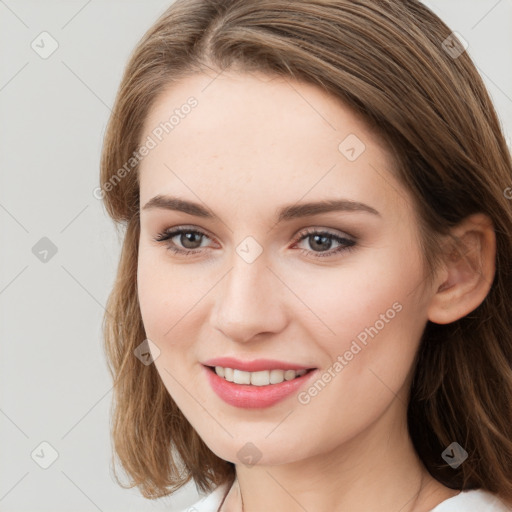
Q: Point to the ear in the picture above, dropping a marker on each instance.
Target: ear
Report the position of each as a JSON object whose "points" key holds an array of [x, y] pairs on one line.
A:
{"points": [[468, 270]]}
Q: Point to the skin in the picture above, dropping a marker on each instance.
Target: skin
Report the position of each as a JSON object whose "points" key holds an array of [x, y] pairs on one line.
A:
{"points": [[253, 144]]}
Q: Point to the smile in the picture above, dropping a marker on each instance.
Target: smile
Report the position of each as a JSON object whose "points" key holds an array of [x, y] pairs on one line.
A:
{"points": [[261, 378], [256, 390]]}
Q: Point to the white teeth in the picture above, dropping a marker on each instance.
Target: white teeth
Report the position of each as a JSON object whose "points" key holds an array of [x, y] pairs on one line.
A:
{"points": [[261, 378], [289, 374], [276, 376], [241, 377]]}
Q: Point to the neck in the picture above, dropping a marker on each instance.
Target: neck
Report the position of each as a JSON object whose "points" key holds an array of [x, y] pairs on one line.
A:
{"points": [[376, 470]]}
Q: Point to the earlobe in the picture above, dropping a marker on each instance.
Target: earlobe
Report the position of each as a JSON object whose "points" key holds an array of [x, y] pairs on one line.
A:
{"points": [[468, 271]]}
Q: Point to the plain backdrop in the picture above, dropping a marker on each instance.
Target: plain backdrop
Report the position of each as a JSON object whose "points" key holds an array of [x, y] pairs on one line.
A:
{"points": [[59, 250]]}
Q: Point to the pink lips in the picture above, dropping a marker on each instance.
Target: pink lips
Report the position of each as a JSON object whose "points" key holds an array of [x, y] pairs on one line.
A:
{"points": [[254, 397]]}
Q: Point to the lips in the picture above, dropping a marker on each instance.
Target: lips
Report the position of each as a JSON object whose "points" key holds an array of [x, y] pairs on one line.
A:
{"points": [[249, 396], [255, 397]]}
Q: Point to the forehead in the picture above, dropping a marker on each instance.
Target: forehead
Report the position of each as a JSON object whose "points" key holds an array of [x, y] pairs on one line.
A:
{"points": [[248, 139]]}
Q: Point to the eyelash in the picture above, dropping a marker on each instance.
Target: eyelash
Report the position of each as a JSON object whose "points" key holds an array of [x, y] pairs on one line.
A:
{"points": [[346, 243]]}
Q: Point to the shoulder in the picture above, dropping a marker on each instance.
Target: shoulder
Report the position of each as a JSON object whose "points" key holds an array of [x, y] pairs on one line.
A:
{"points": [[210, 502], [476, 500]]}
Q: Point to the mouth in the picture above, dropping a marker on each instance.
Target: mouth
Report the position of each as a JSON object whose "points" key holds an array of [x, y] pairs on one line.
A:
{"points": [[258, 378], [257, 389]]}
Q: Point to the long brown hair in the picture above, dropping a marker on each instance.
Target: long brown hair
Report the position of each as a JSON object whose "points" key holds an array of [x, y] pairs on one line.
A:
{"points": [[390, 62]]}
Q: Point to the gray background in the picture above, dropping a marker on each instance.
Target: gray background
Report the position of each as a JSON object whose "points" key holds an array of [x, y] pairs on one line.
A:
{"points": [[55, 386]]}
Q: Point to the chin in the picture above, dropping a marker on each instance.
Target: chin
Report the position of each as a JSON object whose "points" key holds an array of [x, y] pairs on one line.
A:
{"points": [[254, 450]]}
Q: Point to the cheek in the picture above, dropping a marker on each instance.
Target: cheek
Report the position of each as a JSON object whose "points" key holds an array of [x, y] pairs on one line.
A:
{"points": [[368, 319], [167, 294], [378, 317], [341, 302], [153, 300], [166, 299]]}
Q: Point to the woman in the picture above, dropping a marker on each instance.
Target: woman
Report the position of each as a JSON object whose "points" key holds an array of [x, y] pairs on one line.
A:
{"points": [[313, 304]]}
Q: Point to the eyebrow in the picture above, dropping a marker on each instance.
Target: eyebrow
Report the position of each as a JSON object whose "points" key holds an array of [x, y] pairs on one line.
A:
{"points": [[285, 213]]}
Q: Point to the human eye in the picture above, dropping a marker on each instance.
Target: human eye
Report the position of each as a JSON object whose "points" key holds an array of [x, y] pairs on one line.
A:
{"points": [[187, 236], [320, 238], [189, 241]]}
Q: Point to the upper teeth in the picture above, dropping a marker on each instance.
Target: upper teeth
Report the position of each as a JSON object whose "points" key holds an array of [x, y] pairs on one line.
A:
{"points": [[263, 378]]}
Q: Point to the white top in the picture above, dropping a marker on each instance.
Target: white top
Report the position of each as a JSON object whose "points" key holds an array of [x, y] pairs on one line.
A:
{"points": [[476, 500]]}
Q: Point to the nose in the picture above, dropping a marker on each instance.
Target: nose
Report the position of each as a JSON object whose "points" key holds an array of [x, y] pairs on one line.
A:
{"points": [[250, 301]]}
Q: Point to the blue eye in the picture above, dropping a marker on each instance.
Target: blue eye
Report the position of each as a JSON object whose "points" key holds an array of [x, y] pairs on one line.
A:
{"points": [[317, 238]]}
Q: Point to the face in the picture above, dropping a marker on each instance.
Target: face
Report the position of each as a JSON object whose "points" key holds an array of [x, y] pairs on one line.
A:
{"points": [[337, 292]]}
